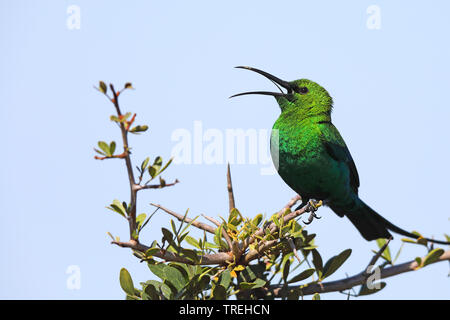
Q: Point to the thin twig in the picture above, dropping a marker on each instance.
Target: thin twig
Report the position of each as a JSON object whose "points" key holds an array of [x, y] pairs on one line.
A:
{"points": [[199, 225], [220, 258], [376, 257], [157, 186]]}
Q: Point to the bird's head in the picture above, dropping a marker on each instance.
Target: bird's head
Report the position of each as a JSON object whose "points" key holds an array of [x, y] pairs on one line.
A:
{"points": [[302, 96]]}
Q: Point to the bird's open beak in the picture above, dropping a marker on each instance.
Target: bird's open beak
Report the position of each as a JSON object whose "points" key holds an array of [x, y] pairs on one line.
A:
{"points": [[272, 78]]}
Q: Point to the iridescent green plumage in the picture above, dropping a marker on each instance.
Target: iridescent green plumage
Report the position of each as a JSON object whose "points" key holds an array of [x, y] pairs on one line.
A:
{"points": [[313, 159]]}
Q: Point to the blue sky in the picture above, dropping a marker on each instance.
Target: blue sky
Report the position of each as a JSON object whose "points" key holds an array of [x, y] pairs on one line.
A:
{"points": [[389, 85]]}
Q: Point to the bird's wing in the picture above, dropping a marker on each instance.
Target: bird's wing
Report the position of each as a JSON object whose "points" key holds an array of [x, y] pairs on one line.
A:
{"points": [[337, 149]]}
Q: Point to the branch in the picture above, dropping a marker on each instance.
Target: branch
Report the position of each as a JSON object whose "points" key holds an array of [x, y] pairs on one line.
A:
{"points": [[199, 225], [157, 186], [220, 258], [256, 253], [133, 190], [114, 156], [356, 280]]}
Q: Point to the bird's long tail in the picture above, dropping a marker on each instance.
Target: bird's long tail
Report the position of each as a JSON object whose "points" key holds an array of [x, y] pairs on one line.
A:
{"points": [[372, 226]]}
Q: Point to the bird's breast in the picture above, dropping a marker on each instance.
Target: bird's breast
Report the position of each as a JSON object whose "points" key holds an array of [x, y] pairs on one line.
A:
{"points": [[301, 161]]}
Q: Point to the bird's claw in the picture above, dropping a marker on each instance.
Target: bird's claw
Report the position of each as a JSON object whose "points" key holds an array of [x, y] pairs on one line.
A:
{"points": [[313, 206]]}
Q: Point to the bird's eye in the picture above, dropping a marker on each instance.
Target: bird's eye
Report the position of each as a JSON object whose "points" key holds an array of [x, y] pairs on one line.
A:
{"points": [[302, 90]]}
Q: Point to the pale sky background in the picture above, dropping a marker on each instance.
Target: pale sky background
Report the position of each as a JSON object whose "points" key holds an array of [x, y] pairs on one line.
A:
{"points": [[390, 88]]}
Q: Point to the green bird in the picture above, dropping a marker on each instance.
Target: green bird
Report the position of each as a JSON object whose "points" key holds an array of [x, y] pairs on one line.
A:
{"points": [[313, 159]]}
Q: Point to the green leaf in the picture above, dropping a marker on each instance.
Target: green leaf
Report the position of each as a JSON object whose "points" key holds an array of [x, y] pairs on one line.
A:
{"points": [[118, 207], [100, 152], [167, 235], [190, 254], [225, 279], [218, 237], [150, 252], [192, 242], [175, 277], [152, 170], [257, 220], [433, 256], [219, 293], [157, 270], [302, 276], [166, 165], [258, 283], [235, 217], [251, 272], [174, 228], [276, 221], [316, 296], [105, 147], [317, 262], [126, 282], [286, 268], [102, 87], [408, 240], [140, 220], [158, 161], [149, 292], [159, 287], [386, 253], [145, 163], [335, 263], [364, 291], [420, 240], [114, 118], [112, 147], [139, 129], [155, 169]]}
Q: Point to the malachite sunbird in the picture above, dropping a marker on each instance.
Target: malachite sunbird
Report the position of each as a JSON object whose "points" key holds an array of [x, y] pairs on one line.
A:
{"points": [[313, 159]]}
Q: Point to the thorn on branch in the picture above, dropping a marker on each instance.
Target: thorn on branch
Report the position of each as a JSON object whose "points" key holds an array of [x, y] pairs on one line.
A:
{"points": [[294, 249], [232, 204]]}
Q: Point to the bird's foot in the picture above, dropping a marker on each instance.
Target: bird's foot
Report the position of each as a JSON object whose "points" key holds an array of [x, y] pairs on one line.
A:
{"points": [[313, 206]]}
